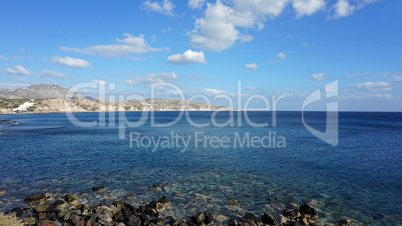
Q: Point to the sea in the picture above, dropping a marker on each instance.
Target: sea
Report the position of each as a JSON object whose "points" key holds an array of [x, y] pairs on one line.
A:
{"points": [[201, 160]]}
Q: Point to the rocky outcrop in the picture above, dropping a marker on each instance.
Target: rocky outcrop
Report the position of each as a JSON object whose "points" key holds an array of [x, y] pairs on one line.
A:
{"points": [[44, 209]]}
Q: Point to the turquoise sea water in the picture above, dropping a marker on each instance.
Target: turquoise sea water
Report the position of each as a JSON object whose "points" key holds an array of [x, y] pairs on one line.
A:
{"points": [[360, 178]]}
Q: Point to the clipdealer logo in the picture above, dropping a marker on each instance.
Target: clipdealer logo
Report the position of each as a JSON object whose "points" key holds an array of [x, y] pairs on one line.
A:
{"points": [[271, 139]]}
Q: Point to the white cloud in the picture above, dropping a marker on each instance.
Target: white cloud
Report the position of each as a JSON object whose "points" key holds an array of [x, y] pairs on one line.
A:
{"points": [[194, 4], [22, 80], [3, 58], [152, 78], [307, 7], [357, 75], [164, 7], [331, 90], [53, 74], [318, 76], [71, 62], [218, 29], [281, 56], [12, 85], [374, 86], [225, 22], [214, 91], [194, 77], [188, 57], [130, 44], [136, 59], [250, 88], [295, 93], [251, 67], [19, 70], [342, 8], [397, 79], [169, 29], [365, 96], [383, 75]]}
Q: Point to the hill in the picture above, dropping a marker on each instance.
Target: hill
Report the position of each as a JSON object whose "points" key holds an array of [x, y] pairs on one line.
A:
{"points": [[51, 99], [40, 91]]}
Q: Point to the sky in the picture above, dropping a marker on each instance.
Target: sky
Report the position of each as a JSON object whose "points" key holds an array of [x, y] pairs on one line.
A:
{"points": [[217, 51]]}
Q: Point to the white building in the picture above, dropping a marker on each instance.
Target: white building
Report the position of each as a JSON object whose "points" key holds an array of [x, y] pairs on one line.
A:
{"points": [[24, 107]]}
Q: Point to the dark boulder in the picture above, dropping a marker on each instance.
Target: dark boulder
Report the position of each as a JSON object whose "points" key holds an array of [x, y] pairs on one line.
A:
{"points": [[202, 218], [35, 198], [291, 212], [272, 218], [164, 200], [233, 222], [132, 221], [250, 216], [306, 209], [98, 189], [18, 211]]}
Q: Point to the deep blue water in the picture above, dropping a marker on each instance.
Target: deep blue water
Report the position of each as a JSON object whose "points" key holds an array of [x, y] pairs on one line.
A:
{"points": [[360, 178]]}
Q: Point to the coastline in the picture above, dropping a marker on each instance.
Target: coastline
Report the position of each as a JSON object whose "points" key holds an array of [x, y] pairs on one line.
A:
{"points": [[44, 208]]}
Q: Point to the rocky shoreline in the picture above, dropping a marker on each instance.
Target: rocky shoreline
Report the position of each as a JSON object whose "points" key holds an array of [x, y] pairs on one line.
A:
{"points": [[44, 209]]}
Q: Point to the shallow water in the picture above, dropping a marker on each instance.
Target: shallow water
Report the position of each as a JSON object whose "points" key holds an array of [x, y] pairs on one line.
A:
{"points": [[360, 177]]}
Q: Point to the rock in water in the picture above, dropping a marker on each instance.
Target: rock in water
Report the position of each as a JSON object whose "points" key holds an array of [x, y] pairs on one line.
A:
{"points": [[35, 198], [307, 209], [70, 198], [277, 206], [291, 212], [164, 200], [202, 218], [98, 189], [160, 207], [233, 202], [221, 218], [272, 219], [250, 216]]}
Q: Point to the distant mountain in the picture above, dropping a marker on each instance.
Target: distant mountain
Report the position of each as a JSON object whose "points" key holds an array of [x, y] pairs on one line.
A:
{"points": [[51, 99], [38, 91]]}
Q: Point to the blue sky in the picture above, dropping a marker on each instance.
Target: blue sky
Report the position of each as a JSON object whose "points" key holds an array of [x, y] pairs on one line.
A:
{"points": [[290, 47]]}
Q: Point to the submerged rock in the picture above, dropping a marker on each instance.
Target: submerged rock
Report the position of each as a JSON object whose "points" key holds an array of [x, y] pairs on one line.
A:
{"points": [[164, 200], [221, 218], [98, 189], [67, 211], [70, 198], [233, 202], [277, 206], [35, 198]]}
